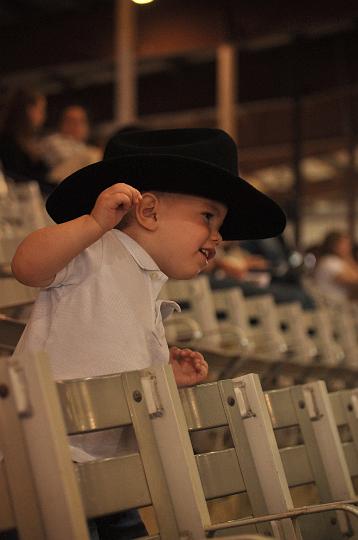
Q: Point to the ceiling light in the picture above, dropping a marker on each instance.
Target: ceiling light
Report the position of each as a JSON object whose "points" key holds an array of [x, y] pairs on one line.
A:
{"points": [[142, 1]]}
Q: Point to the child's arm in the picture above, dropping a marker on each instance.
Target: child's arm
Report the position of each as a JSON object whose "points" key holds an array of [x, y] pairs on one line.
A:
{"points": [[45, 252], [189, 366]]}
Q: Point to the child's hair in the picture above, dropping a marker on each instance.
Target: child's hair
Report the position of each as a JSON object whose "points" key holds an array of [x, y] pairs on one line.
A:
{"points": [[329, 244], [15, 120]]}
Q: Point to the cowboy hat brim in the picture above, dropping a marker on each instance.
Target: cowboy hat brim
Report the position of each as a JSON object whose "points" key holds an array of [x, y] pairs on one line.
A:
{"points": [[251, 214]]}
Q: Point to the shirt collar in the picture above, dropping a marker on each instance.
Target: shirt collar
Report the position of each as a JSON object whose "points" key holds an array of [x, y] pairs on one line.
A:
{"points": [[146, 263], [142, 258]]}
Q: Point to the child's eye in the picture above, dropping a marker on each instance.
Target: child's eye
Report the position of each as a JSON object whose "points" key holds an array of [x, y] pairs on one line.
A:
{"points": [[208, 215]]}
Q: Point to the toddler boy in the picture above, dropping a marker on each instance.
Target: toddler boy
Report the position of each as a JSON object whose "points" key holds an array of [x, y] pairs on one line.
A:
{"points": [[157, 206]]}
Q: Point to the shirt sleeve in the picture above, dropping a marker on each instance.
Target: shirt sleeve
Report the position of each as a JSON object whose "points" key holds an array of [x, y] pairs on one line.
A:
{"points": [[63, 275], [80, 267]]}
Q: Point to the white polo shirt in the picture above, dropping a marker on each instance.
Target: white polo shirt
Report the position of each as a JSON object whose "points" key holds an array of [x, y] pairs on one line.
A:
{"points": [[101, 315]]}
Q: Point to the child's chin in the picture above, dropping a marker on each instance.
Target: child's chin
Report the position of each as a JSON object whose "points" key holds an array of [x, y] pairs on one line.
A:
{"points": [[189, 274]]}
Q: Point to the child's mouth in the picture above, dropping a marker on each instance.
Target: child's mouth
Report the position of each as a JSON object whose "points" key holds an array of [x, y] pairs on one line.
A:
{"points": [[208, 254]]}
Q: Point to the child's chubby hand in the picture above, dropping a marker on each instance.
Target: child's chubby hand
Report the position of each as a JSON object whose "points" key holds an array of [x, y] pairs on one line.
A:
{"points": [[113, 203], [189, 366]]}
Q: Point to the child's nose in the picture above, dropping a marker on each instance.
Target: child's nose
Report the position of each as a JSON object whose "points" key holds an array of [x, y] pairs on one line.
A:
{"points": [[216, 237]]}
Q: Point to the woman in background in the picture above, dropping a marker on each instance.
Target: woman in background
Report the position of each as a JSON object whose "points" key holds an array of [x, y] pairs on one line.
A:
{"points": [[20, 145], [336, 273]]}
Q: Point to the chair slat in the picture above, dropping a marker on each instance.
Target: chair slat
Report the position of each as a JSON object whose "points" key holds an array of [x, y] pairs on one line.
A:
{"points": [[93, 404], [281, 408], [203, 407], [113, 484], [297, 466], [220, 473]]}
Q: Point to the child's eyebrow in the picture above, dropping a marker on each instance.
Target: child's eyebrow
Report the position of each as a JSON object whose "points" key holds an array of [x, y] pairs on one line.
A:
{"points": [[215, 208]]}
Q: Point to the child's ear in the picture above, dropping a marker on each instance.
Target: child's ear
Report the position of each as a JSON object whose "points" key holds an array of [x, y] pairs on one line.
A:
{"points": [[146, 211]]}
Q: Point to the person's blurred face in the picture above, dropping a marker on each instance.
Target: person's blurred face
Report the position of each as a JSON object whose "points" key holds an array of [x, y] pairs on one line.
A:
{"points": [[343, 247], [75, 124], [37, 112]]}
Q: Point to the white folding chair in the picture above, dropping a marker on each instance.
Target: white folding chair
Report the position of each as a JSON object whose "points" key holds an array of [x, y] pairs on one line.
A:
{"points": [[39, 496], [318, 325], [301, 349], [265, 327], [344, 331], [253, 479], [344, 404], [313, 456]]}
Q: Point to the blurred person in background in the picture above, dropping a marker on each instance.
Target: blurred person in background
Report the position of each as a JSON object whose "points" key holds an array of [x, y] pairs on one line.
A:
{"points": [[20, 137], [68, 149], [261, 267], [336, 273]]}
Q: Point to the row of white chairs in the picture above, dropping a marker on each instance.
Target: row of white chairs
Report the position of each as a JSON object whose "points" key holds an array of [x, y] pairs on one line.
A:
{"points": [[255, 333], [248, 484], [281, 342]]}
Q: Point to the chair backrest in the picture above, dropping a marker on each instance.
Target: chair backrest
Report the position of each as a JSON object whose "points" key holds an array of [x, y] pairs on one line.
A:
{"points": [[267, 350], [19, 504], [39, 491], [312, 455], [235, 466], [195, 299], [231, 312], [230, 308], [301, 348], [344, 330], [265, 327], [119, 401], [319, 327], [344, 404]]}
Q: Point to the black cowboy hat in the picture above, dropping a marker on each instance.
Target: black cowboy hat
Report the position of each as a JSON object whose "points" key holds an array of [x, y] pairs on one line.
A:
{"points": [[197, 161]]}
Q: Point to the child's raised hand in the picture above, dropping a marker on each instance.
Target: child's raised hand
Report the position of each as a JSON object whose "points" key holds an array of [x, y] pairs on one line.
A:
{"points": [[113, 203], [189, 366]]}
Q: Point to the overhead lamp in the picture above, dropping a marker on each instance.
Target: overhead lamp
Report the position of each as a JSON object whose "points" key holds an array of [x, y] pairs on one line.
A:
{"points": [[142, 1]]}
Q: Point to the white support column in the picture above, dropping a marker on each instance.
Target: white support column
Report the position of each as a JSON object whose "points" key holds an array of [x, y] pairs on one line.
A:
{"points": [[125, 94], [226, 88]]}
